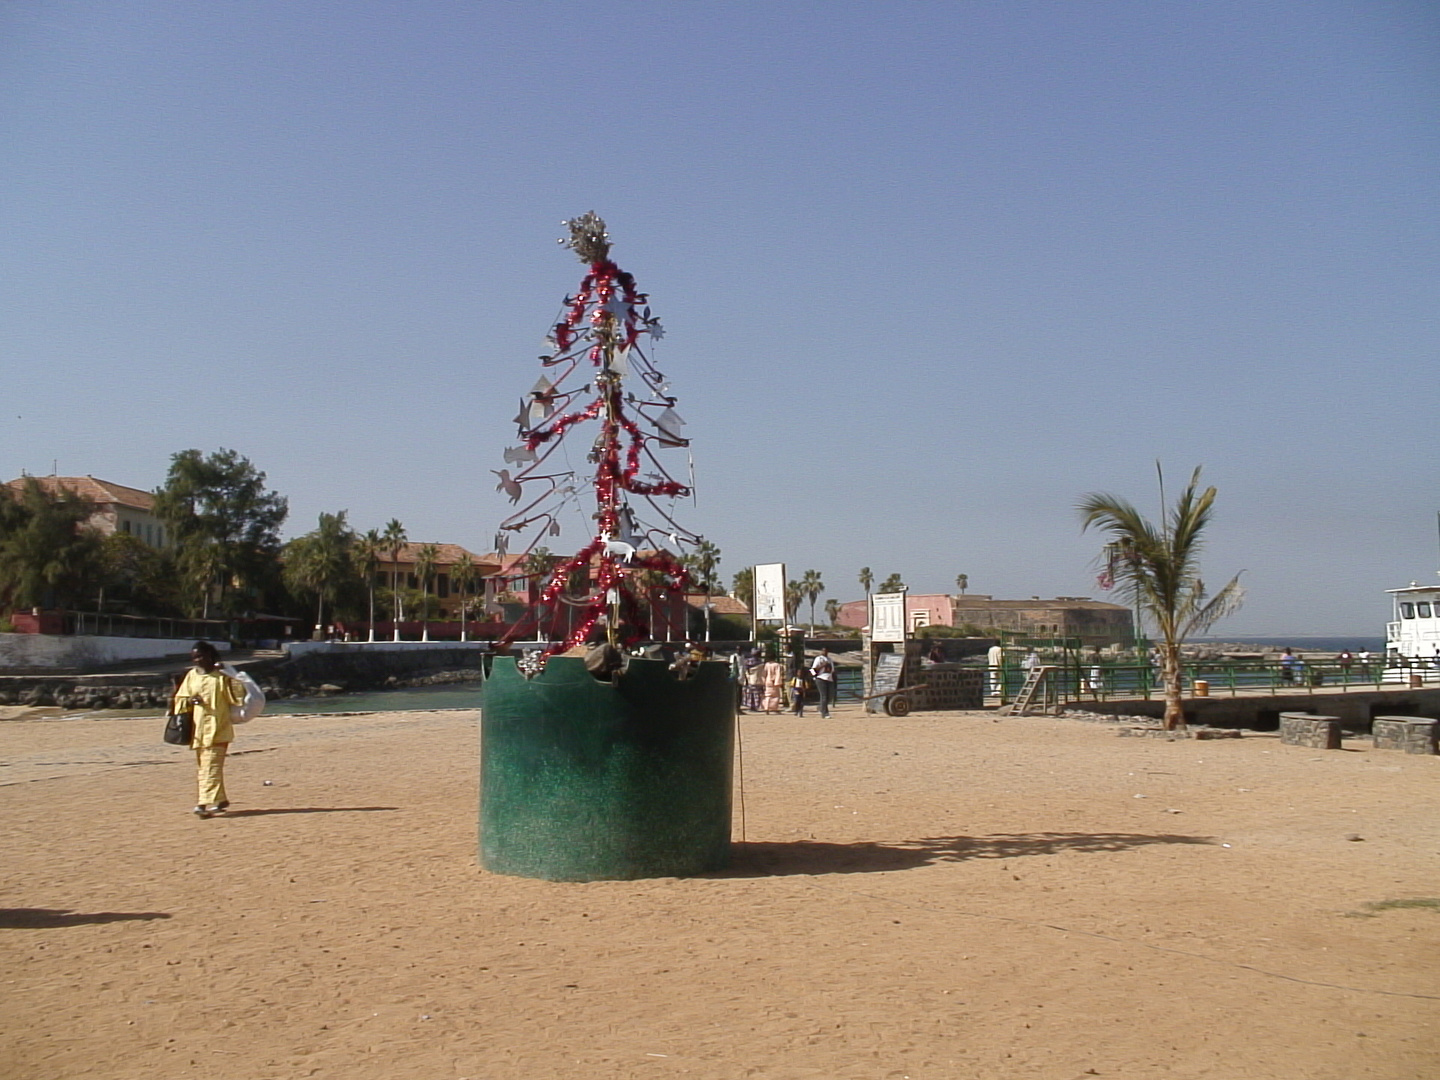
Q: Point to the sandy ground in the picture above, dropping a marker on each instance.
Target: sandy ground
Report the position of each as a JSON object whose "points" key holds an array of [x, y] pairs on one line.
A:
{"points": [[943, 896]]}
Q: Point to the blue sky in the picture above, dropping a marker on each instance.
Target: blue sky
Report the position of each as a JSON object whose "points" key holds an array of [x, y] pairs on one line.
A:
{"points": [[930, 271]]}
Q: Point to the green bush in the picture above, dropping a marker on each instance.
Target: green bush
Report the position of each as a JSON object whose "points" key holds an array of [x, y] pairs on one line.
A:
{"points": [[964, 630]]}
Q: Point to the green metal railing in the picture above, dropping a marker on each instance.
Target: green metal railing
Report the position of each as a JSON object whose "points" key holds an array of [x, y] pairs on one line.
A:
{"points": [[1105, 681]]}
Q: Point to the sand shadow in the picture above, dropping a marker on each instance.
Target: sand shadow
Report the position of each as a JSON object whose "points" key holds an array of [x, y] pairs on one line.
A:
{"points": [[52, 918], [308, 810], [772, 859]]}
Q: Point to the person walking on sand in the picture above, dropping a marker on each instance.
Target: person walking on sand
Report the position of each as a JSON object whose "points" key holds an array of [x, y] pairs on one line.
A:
{"points": [[211, 695], [772, 676], [823, 668], [753, 674], [800, 684]]}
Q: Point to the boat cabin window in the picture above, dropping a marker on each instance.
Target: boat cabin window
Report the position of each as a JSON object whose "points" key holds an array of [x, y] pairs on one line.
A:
{"points": [[1407, 611], [1422, 609]]}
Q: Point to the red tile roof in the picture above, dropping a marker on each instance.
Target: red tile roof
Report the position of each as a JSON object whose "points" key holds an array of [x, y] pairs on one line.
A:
{"points": [[449, 555], [91, 489], [719, 605]]}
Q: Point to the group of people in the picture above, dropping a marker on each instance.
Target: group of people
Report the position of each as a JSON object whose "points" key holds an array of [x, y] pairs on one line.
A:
{"points": [[765, 686], [1292, 666], [213, 697]]}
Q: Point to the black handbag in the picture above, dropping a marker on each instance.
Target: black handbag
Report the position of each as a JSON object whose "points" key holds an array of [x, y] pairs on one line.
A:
{"points": [[180, 728]]}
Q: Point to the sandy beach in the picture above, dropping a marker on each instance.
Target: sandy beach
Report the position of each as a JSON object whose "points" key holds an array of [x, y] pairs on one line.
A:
{"points": [[938, 897]]}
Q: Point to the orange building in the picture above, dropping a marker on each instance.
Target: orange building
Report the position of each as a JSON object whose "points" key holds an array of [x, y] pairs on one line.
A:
{"points": [[441, 585]]}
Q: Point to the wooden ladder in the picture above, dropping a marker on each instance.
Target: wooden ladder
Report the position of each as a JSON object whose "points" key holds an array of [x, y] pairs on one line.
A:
{"points": [[1034, 682]]}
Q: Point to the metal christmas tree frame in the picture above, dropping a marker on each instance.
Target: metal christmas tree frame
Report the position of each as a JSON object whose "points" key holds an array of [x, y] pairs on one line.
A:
{"points": [[605, 337]]}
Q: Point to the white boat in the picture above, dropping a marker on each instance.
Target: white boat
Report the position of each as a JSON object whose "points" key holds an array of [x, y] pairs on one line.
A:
{"points": [[1412, 638]]}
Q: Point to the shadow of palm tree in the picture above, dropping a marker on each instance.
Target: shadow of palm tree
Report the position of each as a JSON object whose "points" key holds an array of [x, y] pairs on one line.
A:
{"points": [[50, 918], [770, 859], [309, 810]]}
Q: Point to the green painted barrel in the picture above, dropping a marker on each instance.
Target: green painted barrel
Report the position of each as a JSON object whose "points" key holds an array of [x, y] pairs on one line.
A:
{"points": [[583, 780]]}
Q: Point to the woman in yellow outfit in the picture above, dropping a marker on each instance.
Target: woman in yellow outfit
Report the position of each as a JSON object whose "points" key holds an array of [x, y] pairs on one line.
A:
{"points": [[211, 694]]}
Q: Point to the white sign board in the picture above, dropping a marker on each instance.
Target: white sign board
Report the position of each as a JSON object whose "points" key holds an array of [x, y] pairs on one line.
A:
{"points": [[770, 591], [887, 616]]}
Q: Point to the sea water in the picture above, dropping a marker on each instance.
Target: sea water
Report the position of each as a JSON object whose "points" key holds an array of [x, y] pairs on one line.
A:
{"points": [[1301, 643], [417, 698]]}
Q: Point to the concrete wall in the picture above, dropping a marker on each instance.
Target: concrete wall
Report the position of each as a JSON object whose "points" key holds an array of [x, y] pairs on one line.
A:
{"points": [[44, 652], [1262, 712], [298, 649]]}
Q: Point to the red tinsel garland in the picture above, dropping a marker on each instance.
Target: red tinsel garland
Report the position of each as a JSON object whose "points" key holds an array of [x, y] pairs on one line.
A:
{"points": [[609, 296]]}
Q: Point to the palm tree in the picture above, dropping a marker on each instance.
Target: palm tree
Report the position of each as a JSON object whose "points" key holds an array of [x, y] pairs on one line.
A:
{"points": [[202, 564], [1158, 569], [394, 538], [794, 593], [538, 566], [321, 561], [649, 584], [962, 582], [425, 561], [368, 550], [742, 587], [892, 584], [702, 564], [832, 610], [465, 577], [812, 587], [866, 580], [47, 552]]}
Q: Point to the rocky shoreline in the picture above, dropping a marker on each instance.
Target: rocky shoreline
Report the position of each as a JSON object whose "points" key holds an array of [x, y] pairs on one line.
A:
{"points": [[316, 675]]}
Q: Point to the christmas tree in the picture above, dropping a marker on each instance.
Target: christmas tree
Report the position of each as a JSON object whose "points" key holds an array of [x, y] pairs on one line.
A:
{"points": [[599, 371]]}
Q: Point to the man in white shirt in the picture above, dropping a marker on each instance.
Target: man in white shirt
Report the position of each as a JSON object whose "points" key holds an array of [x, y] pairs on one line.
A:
{"points": [[824, 671], [995, 660]]}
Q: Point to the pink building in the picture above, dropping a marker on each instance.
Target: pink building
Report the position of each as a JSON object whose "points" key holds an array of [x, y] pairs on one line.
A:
{"points": [[1093, 622]]}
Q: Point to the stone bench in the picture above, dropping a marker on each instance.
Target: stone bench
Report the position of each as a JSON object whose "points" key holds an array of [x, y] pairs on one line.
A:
{"points": [[1412, 734], [1304, 729]]}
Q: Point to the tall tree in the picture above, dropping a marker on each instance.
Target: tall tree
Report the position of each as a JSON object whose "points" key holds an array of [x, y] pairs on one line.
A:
{"points": [[225, 527], [49, 557], [962, 582], [892, 584], [322, 561], [650, 587], [426, 559], [368, 551], [137, 579], [742, 587], [832, 610], [794, 594], [867, 579], [1158, 569], [703, 564], [812, 586], [465, 577], [395, 538]]}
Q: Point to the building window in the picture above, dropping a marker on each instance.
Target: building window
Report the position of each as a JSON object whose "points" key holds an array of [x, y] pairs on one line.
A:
{"points": [[1422, 609], [125, 526], [442, 586]]}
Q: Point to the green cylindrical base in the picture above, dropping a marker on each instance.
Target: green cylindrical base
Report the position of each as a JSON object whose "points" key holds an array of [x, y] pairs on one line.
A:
{"points": [[583, 780]]}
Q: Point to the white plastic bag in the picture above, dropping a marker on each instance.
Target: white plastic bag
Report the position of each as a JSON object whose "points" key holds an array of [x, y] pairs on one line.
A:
{"points": [[254, 703]]}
